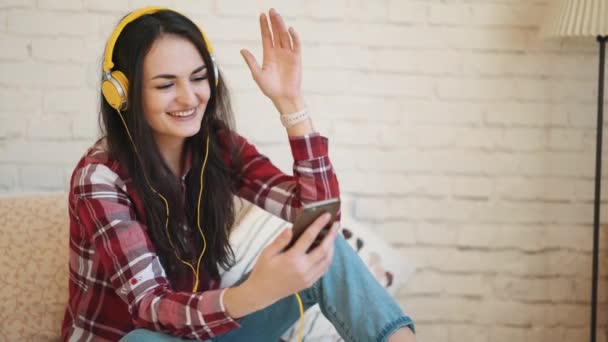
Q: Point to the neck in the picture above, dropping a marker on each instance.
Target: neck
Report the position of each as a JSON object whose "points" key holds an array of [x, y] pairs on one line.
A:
{"points": [[172, 151]]}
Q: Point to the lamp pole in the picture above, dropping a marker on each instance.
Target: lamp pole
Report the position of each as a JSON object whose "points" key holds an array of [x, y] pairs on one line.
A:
{"points": [[598, 176]]}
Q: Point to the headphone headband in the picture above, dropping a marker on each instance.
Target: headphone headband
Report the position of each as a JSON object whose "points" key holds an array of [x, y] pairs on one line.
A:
{"points": [[108, 64]]}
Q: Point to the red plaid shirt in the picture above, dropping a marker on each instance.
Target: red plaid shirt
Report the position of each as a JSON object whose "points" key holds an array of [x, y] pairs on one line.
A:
{"points": [[116, 281]]}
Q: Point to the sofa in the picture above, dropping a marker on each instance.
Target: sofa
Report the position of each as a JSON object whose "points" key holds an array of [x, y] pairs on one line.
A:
{"points": [[34, 267]]}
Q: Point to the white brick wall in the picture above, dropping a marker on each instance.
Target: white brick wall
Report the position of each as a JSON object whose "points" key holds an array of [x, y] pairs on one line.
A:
{"points": [[465, 140]]}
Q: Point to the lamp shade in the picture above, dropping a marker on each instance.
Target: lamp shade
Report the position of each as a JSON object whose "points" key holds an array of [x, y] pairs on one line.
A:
{"points": [[576, 18]]}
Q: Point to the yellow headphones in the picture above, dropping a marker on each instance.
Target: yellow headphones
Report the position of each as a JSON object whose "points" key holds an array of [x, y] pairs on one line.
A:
{"points": [[115, 85]]}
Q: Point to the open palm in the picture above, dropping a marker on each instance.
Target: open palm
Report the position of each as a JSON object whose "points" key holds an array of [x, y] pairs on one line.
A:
{"points": [[280, 75]]}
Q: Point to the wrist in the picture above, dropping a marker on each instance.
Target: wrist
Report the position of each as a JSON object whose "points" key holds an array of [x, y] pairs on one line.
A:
{"points": [[289, 105], [242, 300], [292, 119]]}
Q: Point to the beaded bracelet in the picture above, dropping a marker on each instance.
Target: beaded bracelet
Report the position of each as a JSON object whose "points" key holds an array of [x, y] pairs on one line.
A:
{"points": [[289, 120]]}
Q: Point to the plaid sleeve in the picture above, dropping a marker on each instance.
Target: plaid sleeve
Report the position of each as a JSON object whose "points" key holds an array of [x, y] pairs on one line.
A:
{"points": [[281, 194], [127, 255]]}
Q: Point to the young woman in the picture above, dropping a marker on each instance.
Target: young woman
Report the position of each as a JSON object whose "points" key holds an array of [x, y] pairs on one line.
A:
{"points": [[151, 203]]}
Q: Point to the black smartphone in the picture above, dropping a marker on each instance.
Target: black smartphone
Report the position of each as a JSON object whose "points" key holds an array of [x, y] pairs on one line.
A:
{"points": [[308, 214]]}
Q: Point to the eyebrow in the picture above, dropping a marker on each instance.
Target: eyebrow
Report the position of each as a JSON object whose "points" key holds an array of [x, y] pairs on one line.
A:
{"points": [[171, 77]]}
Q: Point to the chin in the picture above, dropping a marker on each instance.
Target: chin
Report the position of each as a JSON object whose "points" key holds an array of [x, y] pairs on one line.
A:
{"points": [[186, 130], [187, 134]]}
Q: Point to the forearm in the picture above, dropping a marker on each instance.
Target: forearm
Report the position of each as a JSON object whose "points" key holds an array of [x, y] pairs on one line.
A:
{"points": [[301, 128]]}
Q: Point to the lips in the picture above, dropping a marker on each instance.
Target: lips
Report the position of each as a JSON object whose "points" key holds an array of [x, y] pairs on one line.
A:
{"points": [[183, 113]]}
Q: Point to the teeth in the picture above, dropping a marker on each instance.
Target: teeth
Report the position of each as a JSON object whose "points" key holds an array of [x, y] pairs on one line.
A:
{"points": [[182, 113]]}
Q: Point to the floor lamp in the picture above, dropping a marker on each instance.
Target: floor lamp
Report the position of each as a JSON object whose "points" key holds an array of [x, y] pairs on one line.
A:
{"points": [[586, 18]]}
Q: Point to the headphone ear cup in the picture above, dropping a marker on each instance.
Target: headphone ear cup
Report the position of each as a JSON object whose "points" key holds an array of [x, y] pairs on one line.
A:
{"points": [[115, 89], [216, 71]]}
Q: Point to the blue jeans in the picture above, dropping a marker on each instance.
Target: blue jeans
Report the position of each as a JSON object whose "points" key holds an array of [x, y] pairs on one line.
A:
{"points": [[349, 296]]}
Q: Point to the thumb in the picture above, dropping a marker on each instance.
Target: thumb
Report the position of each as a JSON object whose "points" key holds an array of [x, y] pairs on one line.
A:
{"points": [[253, 65], [280, 242]]}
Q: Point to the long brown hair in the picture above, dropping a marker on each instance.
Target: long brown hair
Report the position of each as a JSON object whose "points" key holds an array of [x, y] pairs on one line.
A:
{"points": [[217, 207]]}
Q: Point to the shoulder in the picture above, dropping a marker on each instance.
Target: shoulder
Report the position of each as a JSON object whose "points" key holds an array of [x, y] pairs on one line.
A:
{"points": [[235, 148], [97, 169], [229, 139]]}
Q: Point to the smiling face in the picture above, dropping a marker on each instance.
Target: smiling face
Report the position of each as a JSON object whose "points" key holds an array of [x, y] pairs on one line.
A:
{"points": [[175, 89]]}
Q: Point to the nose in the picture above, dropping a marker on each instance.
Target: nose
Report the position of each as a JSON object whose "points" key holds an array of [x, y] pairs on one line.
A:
{"points": [[186, 95]]}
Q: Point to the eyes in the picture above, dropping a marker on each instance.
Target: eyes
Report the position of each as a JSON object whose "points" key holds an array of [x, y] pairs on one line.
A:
{"points": [[194, 79]]}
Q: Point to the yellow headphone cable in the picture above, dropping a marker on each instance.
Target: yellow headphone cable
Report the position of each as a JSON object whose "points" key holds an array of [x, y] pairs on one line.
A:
{"points": [[198, 208]]}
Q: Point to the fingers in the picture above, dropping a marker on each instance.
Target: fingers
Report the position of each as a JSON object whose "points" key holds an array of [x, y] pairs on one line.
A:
{"points": [[279, 243], [276, 33], [253, 65], [265, 31], [279, 30], [308, 237], [321, 267], [295, 40], [326, 247]]}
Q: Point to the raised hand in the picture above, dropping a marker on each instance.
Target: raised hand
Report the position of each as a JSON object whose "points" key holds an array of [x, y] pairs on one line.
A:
{"points": [[280, 75]]}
